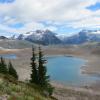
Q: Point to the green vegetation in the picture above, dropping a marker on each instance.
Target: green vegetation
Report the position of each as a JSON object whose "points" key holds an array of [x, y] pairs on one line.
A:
{"points": [[43, 79], [12, 71], [34, 74], [15, 90], [38, 88], [39, 71], [7, 70], [3, 66]]}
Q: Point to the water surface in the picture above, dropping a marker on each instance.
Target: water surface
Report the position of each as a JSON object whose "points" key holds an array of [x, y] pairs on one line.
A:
{"points": [[66, 70], [8, 56]]}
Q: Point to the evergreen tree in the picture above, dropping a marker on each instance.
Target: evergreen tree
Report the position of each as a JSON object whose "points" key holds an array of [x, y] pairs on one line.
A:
{"points": [[34, 74], [12, 71], [39, 71], [43, 78], [3, 66]]}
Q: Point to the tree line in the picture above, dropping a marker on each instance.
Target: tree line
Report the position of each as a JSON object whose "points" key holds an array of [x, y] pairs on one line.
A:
{"points": [[39, 71], [38, 74], [7, 68]]}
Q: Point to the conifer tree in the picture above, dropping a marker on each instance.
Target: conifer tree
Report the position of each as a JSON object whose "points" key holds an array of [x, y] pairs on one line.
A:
{"points": [[43, 78], [39, 71], [34, 74], [3, 66], [12, 71]]}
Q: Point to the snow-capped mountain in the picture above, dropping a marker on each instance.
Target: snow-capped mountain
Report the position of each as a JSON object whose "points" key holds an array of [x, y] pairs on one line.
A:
{"points": [[48, 37], [83, 36], [3, 37], [39, 36]]}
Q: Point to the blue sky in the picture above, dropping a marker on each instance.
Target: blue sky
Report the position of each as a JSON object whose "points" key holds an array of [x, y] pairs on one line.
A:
{"points": [[94, 7], [6, 1], [61, 16]]}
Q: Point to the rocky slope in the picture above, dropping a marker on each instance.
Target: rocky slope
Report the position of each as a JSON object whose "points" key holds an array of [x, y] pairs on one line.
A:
{"points": [[43, 37], [83, 37]]}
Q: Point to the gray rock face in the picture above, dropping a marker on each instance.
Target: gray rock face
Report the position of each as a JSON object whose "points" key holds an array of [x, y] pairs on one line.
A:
{"points": [[43, 37], [83, 36]]}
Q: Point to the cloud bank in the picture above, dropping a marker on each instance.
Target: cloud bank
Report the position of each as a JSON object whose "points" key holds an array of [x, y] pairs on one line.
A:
{"points": [[21, 16]]}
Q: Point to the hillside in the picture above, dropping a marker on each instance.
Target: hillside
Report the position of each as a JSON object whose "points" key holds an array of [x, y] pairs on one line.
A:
{"points": [[85, 51], [11, 89], [15, 44], [92, 47]]}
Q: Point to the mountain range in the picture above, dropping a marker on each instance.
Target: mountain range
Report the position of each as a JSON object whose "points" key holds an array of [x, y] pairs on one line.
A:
{"points": [[47, 37], [39, 36], [83, 37]]}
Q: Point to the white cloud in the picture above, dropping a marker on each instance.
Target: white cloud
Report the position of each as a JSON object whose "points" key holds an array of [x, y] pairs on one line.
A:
{"points": [[72, 13]]}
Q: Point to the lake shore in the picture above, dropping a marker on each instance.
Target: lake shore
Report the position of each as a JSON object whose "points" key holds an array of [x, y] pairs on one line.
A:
{"points": [[88, 68], [62, 92]]}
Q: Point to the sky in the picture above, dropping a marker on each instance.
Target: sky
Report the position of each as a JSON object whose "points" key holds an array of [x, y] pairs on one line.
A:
{"points": [[60, 16]]}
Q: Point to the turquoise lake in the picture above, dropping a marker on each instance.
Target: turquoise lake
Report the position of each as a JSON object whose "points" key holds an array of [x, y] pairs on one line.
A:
{"points": [[8, 56], [67, 70]]}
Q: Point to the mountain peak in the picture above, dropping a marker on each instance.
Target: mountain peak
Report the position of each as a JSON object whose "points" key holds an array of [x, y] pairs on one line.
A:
{"points": [[40, 36], [48, 37]]}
